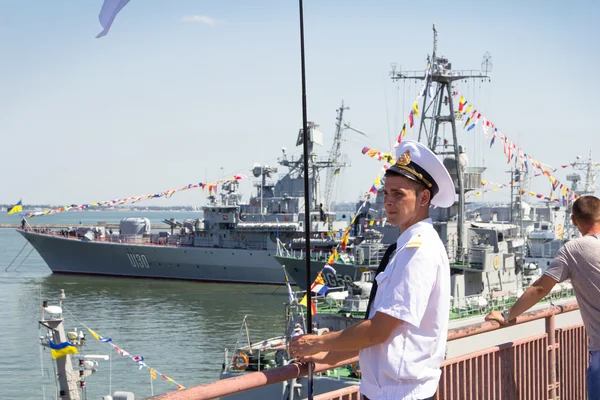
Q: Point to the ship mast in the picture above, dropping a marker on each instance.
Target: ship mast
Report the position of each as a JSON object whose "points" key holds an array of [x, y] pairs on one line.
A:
{"points": [[440, 72], [335, 156], [67, 377], [316, 164], [579, 166]]}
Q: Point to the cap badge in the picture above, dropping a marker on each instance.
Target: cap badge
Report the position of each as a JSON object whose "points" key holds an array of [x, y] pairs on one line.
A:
{"points": [[404, 159]]}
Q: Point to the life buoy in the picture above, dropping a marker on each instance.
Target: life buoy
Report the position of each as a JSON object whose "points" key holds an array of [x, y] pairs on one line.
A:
{"points": [[240, 361], [356, 369]]}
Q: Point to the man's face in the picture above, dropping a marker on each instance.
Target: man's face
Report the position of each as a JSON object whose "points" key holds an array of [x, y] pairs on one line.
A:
{"points": [[400, 200]]}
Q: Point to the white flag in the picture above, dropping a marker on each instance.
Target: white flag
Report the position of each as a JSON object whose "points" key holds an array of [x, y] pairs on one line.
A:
{"points": [[291, 296], [109, 11]]}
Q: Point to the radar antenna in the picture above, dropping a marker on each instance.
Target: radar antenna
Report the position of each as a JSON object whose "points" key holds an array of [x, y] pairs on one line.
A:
{"points": [[486, 64]]}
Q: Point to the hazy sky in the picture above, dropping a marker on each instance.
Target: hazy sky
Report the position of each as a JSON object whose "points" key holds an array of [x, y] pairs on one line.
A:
{"points": [[182, 91]]}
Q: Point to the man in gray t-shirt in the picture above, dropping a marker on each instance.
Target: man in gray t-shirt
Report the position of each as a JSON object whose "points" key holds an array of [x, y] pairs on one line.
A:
{"points": [[578, 260]]}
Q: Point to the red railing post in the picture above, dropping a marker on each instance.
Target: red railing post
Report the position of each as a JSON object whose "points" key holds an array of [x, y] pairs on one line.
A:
{"points": [[552, 345]]}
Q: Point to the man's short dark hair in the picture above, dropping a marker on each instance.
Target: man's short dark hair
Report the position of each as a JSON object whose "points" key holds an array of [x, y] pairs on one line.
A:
{"points": [[419, 186], [586, 209]]}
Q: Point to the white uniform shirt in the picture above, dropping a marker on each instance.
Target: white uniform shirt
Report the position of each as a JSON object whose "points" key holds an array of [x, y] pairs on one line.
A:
{"points": [[415, 288]]}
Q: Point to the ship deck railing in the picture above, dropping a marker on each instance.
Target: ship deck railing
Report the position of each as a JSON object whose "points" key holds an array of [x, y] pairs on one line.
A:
{"points": [[475, 305], [460, 307], [323, 256], [149, 240], [550, 365], [463, 307], [370, 258]]}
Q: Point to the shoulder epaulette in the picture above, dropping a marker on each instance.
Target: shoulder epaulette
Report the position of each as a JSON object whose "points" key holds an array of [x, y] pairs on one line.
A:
{"points": [[415, 241]]}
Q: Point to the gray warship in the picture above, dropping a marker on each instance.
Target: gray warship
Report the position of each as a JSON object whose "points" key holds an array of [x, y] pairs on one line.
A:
{"points": [[493, 251], [233, 242]]}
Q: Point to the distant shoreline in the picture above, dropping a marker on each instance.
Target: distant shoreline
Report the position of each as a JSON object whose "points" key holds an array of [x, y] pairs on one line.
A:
{"points": [[25, 211]]}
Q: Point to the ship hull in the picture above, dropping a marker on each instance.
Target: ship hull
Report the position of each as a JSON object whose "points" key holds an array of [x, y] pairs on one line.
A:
{"points": [[73, 256], [296, 269]]}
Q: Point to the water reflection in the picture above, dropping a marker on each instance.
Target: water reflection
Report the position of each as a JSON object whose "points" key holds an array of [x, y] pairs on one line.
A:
{"points": [[181, 328]]}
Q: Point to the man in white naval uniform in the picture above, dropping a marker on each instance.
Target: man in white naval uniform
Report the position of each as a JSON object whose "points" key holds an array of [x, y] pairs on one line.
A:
{"points": [[402, 342]]}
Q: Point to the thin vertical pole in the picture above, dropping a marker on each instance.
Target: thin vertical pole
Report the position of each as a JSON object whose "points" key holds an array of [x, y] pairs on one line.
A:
{"points": [[307, 202], [550, 332]]}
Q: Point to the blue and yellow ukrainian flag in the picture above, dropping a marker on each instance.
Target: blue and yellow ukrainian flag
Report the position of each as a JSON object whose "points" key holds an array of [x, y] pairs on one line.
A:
{"points": [[15, 209], [62, 349]]}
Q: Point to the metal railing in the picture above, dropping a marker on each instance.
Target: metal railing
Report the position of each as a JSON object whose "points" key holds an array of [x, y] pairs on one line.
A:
{"points": [[153, 240], [547, 366], [530, 368], [371, 258]]}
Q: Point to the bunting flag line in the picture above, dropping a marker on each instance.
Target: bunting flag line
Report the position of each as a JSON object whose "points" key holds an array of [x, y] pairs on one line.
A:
{"points": [[94, 334], [387, 157], [134, 199], [510, 148], [594, 164], [495, 188], [138, 359], [544, 197]]}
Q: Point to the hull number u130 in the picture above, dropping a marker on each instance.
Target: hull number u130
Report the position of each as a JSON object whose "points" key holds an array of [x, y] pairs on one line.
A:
{"points": [[138, 260]]}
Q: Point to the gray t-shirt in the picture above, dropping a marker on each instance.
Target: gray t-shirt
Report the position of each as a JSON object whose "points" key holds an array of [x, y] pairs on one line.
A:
{"points": [[579, 260]]}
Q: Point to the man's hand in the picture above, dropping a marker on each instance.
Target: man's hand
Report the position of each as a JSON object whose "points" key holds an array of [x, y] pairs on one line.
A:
{"points": [[329, 357], [304, 345], [496, 316], [537, 291], [354, 338], [320, 358]]}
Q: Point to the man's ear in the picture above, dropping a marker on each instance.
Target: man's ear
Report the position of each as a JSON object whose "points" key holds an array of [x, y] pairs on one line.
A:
{"points": [[425, 197]]}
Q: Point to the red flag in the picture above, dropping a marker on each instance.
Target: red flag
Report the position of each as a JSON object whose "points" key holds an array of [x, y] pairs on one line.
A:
{"points": [[411, 119]]}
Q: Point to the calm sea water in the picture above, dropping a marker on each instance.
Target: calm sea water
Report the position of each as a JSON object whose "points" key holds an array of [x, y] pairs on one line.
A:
{"points": [[181, 328]]}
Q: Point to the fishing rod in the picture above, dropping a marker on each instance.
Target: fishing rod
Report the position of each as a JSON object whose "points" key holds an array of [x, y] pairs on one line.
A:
{"points": [[307, 200]]}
